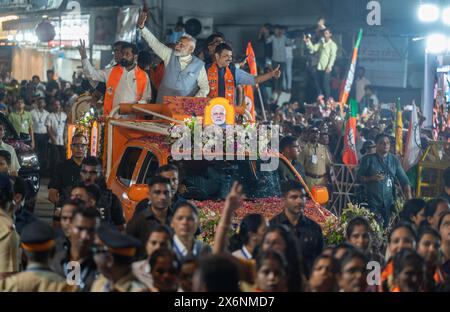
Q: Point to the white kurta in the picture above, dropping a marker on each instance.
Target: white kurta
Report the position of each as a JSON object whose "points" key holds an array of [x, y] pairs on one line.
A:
{"points": [[126, 89]]}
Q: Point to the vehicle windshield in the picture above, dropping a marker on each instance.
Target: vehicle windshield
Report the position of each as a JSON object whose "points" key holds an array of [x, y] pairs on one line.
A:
{"points": [[202, 179]]}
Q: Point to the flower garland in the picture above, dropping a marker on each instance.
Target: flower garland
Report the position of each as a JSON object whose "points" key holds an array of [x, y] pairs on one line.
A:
{"points": [[245, 138], [87, 119], [210, 213]]}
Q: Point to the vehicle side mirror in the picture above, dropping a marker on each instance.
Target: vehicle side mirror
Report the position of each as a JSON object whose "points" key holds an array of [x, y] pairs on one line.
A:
{"points": [[320, 194], [138, 192]]}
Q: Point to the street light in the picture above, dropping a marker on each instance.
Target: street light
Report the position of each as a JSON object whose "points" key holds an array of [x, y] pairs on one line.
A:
{"points": [[436, 43], [428, 12]]}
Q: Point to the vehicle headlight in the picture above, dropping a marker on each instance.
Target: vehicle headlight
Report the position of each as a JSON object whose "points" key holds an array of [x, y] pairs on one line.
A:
{"points": [[29, 160]]}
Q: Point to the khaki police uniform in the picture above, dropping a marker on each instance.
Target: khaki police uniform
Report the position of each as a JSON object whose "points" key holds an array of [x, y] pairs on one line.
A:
{"points": [[315, 158], [128, 283]]}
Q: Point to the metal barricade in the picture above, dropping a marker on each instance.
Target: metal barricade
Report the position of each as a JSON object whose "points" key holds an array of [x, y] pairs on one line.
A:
{"points": [[344, 187]]}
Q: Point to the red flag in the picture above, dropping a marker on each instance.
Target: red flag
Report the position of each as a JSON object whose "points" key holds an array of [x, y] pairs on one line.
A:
{"points": [[350, 156]]}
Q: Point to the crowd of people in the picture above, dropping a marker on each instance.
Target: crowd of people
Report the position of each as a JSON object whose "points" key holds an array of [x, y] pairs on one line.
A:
{"points": [[91, 247]]}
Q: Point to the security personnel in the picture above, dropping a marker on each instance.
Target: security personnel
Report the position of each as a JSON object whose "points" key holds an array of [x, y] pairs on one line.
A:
{"points": [[315, 159], [379, 172], [38, 243], [114, 255]]}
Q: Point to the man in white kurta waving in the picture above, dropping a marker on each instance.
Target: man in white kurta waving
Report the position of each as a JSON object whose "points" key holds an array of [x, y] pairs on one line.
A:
{"points": [[184, 74], [125, 81]]}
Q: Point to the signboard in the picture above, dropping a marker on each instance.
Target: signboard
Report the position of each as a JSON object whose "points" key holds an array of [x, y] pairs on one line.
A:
{"points": [[385, 59]]}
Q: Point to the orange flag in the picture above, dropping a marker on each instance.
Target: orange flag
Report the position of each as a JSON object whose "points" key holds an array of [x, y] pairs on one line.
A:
{"points": [[248, 90], [251, 61]]}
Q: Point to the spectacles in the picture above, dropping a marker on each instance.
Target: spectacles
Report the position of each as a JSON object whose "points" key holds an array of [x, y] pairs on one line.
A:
{"points": [[89, 172]]}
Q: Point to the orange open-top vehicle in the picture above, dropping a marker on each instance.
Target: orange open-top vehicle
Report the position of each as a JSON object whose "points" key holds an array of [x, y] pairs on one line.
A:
{"points": [[135, 146]]}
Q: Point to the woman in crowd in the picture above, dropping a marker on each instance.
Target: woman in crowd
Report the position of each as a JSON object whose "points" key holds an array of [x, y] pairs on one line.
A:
{"points": [[165, 269], [402, 236], [325, 274], [353, 272], [442, 274], [434, 209], [358, 235], [414, 211], [280, 239], [159, 237], [185, 223], [428, 242], [271, 272], [251, 232], [408, 271]]}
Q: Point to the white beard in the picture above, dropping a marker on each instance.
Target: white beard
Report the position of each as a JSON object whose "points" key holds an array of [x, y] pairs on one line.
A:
{"points": [[179, 53]]}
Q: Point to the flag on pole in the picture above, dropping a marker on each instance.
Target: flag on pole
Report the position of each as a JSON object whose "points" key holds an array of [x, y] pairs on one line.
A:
{"points": [[249, 97], [350, 157], [351, 74], [399, 130], [413, 150], [251, 60]]}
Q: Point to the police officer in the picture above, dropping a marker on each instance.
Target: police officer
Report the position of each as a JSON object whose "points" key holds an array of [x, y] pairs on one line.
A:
{"points": [[315, 159], [114, 255], [38, 243]]}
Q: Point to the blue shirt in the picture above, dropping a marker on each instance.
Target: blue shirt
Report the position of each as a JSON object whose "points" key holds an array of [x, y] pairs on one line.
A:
{"points": [[380, 194], [240, 76]]}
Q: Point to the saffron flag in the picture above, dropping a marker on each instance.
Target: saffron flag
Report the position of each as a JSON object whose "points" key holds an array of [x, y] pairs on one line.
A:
{"points": [[399, 130], [249, 97], [351, 74], [413, 150], [350, 157]]}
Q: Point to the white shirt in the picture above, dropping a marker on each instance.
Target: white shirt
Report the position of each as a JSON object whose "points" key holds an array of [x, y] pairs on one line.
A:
{"points": [[57, 122], [278, 48], [126, 89], [15, 166], [39, 119], [142, 271], [242, 253], [165, 53], [289, 51], [360, 85]]}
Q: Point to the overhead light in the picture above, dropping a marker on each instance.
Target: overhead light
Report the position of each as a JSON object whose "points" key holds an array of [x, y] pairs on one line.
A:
{"points": [[436, 43], [428, 12], [446, 16]]}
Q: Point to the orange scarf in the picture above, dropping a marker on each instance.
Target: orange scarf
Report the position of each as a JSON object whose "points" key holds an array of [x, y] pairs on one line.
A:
{"points": [[387, 277], [213, 78], [113, 82]]}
